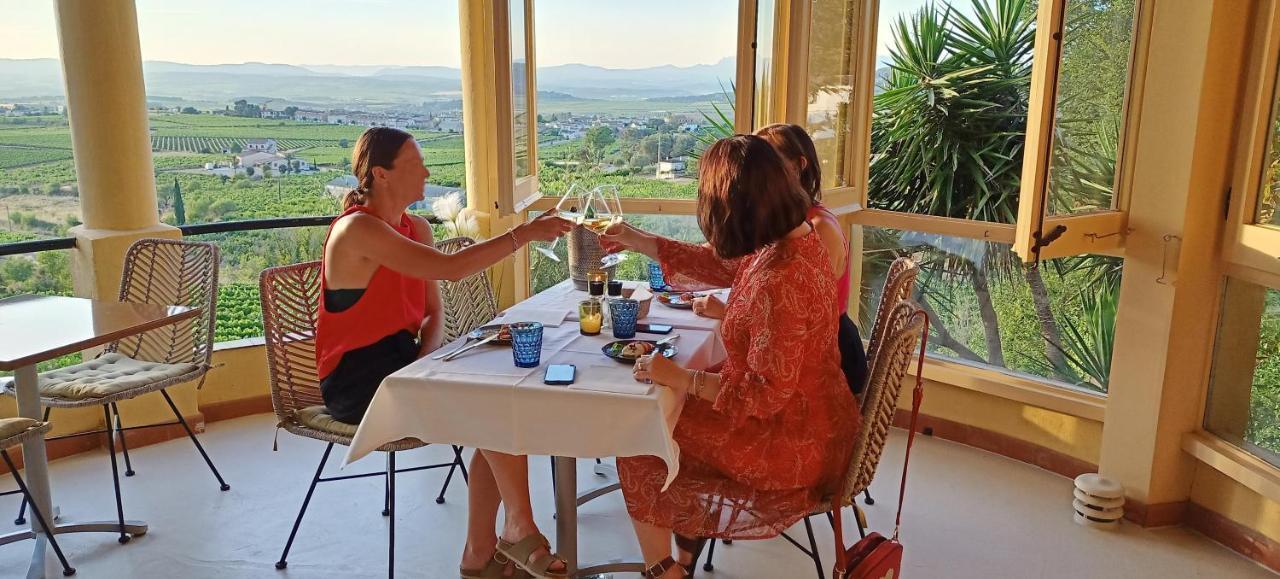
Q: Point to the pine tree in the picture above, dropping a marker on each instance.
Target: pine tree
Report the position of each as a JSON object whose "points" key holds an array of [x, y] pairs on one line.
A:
{"points": [[179, 208]]}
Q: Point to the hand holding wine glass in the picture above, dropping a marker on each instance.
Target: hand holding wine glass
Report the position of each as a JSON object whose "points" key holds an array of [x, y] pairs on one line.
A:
{"points": [[607, 208], [571, 208]]}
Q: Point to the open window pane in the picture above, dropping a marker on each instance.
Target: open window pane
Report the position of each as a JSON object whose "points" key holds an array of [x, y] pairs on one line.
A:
{"points": [[1269, 195], [620, 105], [831, 82], [519, 88], [766, 22], [1092, 80], [1244, 392], [1054, 323], [950, 107]]}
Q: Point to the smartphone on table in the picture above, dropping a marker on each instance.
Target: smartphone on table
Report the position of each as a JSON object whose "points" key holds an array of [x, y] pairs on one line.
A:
{"points": [[560, 374], [653, 328]]}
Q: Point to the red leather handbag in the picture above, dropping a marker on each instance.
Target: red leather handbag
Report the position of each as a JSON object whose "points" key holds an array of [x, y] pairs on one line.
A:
{"points": [[877, 556]]}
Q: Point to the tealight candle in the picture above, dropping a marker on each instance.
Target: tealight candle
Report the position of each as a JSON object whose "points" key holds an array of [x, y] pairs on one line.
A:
{"points": [[590, 317]]}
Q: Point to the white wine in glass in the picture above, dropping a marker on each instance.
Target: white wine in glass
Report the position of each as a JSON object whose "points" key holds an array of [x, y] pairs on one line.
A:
{"points": [[608, 211], [571, 207]]}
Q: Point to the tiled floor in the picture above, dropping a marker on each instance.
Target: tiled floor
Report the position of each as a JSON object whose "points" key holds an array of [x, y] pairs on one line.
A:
{"points": [[969, 515]]}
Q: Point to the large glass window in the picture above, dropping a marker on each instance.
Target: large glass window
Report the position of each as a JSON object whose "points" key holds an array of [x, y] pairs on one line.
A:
{"points": [[1269, 194], [1244, 395], [1054, 322], [254, 122], [621, 103], [38, 190]]}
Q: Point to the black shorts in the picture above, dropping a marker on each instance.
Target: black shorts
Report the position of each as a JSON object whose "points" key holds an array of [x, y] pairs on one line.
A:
{"points": [[853, 356], [348, 390]]}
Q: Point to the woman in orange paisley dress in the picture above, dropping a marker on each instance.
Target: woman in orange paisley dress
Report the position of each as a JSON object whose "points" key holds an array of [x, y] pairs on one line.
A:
{"points": [[764, 439]]}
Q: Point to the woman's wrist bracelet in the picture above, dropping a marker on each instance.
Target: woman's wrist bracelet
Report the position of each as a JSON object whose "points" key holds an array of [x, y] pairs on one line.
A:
{"points": [[515, 242]]}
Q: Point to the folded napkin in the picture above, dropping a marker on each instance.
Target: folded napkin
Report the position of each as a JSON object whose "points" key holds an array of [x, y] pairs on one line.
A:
{"points": [[550, 317]]}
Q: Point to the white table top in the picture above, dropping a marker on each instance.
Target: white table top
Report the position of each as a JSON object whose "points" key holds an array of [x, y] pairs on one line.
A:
{"points": [[482, 400]]}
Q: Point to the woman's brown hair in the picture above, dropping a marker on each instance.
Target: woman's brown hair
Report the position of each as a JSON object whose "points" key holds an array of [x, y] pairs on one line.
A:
{"points": [[376, 147], [793, 143], [747, 198]]}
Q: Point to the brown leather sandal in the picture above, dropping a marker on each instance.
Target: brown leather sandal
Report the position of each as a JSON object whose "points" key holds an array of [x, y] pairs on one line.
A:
{"points": [[522, 554], [660, 568], [692, 546]]}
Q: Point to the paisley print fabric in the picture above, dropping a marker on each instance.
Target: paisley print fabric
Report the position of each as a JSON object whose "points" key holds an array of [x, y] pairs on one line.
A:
{"points": [[773, 443]]}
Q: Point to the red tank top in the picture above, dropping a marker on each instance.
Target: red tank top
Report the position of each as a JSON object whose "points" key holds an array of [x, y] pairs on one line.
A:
{"points": [[390, 303], [842, 284]]}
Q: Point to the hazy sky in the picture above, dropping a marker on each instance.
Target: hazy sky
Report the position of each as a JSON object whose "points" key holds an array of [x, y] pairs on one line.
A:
{"points": [[612, 33]]}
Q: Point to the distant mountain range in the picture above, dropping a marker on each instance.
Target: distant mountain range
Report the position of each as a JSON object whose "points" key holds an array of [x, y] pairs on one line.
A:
{"points": [[365, 86]]}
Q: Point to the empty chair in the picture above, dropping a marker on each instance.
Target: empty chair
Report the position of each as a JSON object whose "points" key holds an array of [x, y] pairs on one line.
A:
{"points": [[156, 271], [15, 431], [469, 302]]}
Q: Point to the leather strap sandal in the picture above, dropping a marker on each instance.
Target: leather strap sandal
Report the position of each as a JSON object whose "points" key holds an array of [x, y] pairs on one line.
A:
{"points": [[660, 568], [522, 554], [496, 568]]}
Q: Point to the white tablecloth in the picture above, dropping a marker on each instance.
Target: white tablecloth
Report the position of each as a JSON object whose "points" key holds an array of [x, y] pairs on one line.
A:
{"points": [[482, 400], [564, 294]]}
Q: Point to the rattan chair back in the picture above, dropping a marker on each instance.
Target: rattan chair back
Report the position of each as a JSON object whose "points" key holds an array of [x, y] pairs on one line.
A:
{"points": [[469, 302], [290, 309], [899, 283], [172, 272], [902, 329]]}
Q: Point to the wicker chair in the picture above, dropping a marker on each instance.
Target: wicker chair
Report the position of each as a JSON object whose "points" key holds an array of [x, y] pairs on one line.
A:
{"points": [[15, 431], [290, 306], [899, 283], [468, 303], [156, 271], [900, 333]]}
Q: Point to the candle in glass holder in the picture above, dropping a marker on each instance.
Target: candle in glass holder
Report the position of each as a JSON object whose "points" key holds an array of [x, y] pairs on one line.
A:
{"points": [[590, 317], [596, 280]]}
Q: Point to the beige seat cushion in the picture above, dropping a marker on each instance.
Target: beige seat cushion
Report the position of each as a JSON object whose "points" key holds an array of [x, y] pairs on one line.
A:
{"points": [[318, 417], [10, 427], [106, 375]]}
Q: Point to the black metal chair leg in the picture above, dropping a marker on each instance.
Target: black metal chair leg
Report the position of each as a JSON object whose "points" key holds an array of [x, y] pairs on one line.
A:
{"points": [[192, 436], [67, 569], [115, 474], [457, 462], [124, 444], [711, 552], [813, 548], [866, 497], [22, 507], [386, 489], [391, 530], [462, 464], [283, 562]]}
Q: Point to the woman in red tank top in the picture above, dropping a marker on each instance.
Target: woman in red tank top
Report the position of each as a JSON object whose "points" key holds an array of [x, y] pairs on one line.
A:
{"points": [[381, 310]]}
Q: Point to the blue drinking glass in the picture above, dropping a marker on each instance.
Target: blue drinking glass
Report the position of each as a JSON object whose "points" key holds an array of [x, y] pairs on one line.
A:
{"points": [[623, 312], [526, 344], [656, 281]]}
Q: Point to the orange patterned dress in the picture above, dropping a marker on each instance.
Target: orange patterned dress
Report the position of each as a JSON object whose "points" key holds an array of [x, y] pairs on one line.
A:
{"points": [[777, 437]]}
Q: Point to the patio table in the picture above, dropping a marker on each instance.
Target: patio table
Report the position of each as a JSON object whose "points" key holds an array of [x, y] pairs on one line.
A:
{"points": [[34, 329], [482, 400]]}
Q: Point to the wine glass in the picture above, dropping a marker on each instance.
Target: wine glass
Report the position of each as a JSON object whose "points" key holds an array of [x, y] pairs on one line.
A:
{"points": [[607, 206], [571, 207]]}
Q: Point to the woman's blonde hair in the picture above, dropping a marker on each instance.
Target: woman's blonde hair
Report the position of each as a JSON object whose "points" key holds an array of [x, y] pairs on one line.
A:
{"points": [[376, 147]]}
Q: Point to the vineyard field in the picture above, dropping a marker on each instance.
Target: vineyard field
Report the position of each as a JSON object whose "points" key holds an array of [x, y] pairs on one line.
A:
{"points": [[11, 157]]}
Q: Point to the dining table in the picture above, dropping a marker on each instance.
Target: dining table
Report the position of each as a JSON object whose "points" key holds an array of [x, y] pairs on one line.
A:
{"points": [[35, 329], [482, 400]]}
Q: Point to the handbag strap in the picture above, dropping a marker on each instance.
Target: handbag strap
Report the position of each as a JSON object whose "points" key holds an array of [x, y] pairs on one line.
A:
{"points": [[917, 397]]}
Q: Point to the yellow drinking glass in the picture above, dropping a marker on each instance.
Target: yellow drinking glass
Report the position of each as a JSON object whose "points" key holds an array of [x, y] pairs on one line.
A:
{"points": [[590, 317]]}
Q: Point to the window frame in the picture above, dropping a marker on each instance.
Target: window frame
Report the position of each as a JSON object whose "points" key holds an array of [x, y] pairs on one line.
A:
{"points": [[1247, 244], [515, 194], [1100, 232]]}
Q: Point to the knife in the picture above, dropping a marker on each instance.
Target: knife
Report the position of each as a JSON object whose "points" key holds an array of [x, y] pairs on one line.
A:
{"points": [[667, 340], [466, 349]]}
